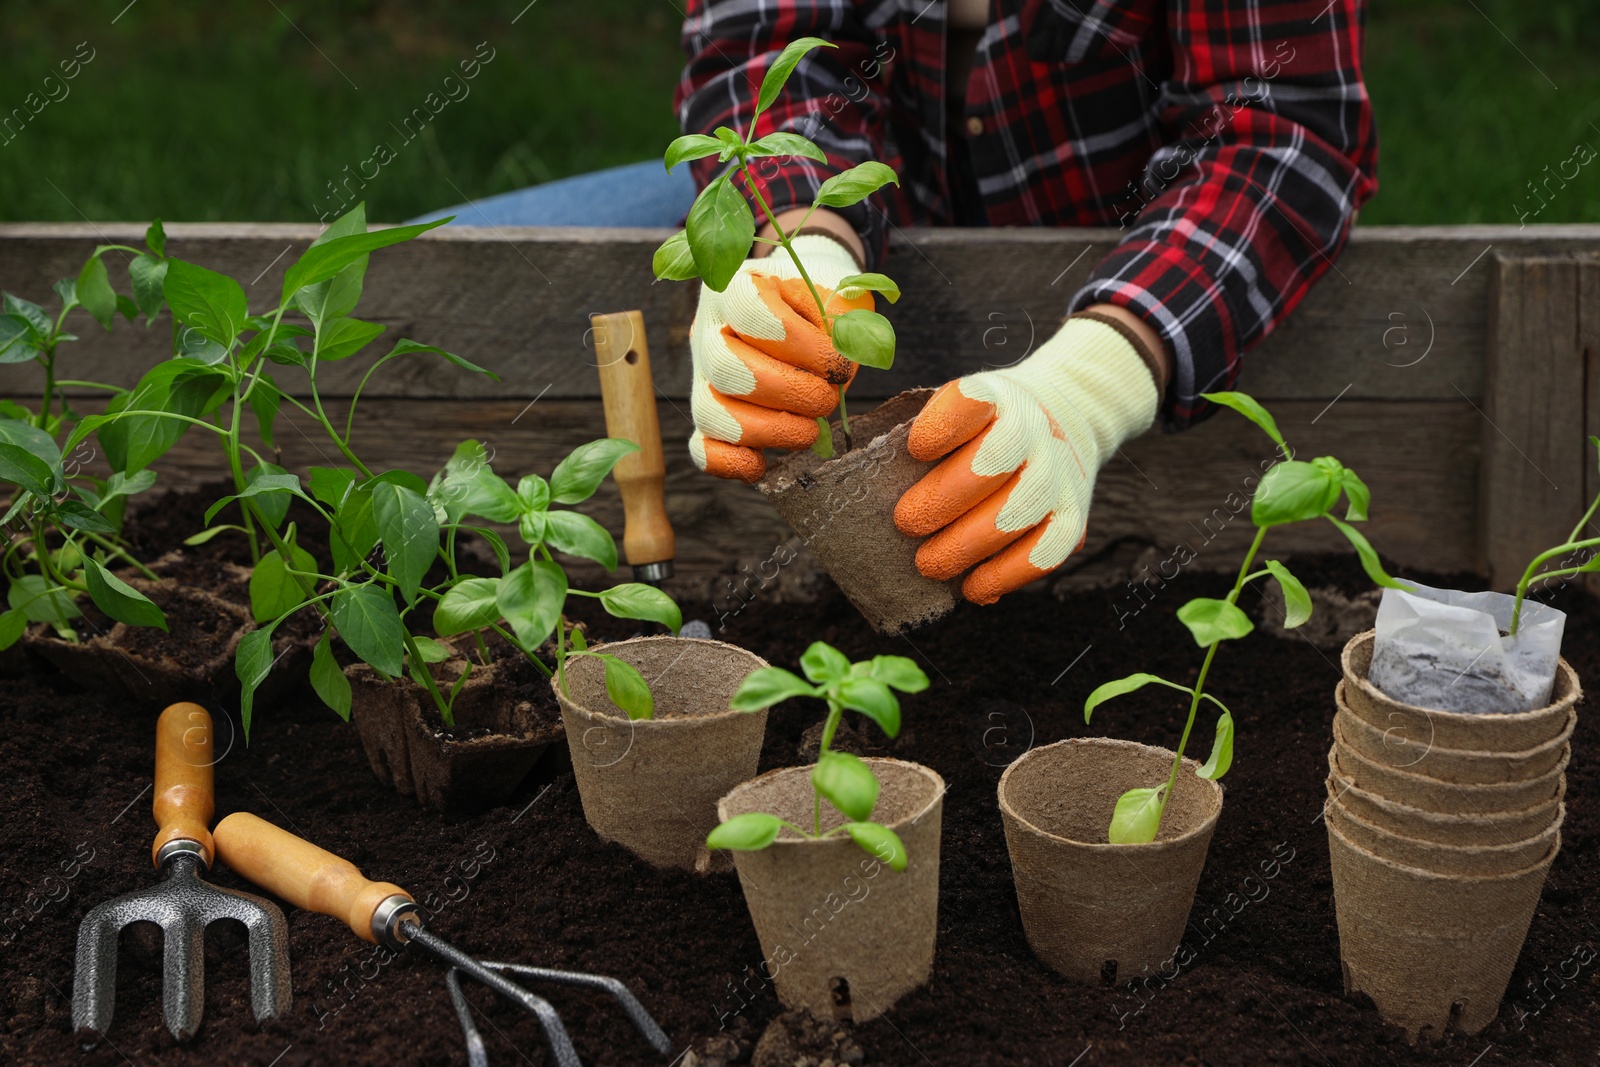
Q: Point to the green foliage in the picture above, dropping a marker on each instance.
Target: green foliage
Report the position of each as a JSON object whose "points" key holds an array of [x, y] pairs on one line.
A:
{"points": [[845, 781], [1290, 491]]}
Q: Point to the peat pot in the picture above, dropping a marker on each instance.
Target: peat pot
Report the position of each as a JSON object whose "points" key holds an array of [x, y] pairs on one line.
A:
{"points": [[843, 508], [1093, 911], [652, 785], [842, 934], [498, 734]]}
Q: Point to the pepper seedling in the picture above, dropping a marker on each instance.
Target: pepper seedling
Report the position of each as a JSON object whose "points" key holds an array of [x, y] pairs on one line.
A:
{"points": [[1572, 546], [1291, 491], [529, 599], [720, 229], [63, 526], [844, 780]]}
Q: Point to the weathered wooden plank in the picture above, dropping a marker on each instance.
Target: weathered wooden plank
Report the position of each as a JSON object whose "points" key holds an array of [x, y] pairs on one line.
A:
{"points": [[1534, 467], [1401, 315], [1418, 457]]}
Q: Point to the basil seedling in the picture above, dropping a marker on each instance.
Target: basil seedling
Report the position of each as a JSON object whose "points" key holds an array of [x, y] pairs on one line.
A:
{"points": [[1290, 491], [845, 781]]}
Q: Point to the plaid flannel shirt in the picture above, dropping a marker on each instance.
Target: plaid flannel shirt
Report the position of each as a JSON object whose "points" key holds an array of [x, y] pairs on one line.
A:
{"points": [[1231, 139]]}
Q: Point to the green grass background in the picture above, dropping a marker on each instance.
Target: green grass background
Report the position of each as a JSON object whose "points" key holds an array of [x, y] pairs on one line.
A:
{"points": [[202, 111]]}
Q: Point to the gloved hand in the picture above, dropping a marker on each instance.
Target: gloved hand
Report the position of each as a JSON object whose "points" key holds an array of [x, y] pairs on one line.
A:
{"points": [[1027, 442], [764, 368]]}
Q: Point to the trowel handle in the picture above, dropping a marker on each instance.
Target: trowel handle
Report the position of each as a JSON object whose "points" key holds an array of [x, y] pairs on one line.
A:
{"points": [[184, 800], [629, 394], [301, 873]]}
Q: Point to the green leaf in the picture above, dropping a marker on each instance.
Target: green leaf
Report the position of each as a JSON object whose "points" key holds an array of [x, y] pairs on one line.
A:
{"points": [[720, 231], [356, 529], [18, 343], [41, 601], [13, 624], [1250, 408], [204, 300], [864, 337], [322, 261], [773, 81], [750, 832], [35, 316], [338, 296], [783, 143], [1357, 493], [27, 451], [1296, 601], [674, 260], [252, 662], [530, 599], [1123, 686], [855, 184], [328, 679], [407, 347], [192, 344], [1368, 556], [579, 535], [344, 337], [155, 238], [1211, 620], [823, 445], [428, 651], [175, 386], [118, 599], [410, 534], [627, 688], [273, 503], [273, 590], [880, 841], [534, 492], [690, 146], [265, 400], [873, 699], [766, 686], [21, 467], [366, 619], [635, 600], [576, 639], [330, 484], [898, 671], [259, 482], [468, 605], [82, 517], [1137, 816], [823, 663], [577, 477], [478, 491], [1221, 750], [847, 783], [854, 285], [1293, 491], [94, 291]]}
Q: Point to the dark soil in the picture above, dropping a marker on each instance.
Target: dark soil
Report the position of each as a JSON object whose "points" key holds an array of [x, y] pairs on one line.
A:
{"points": [[530, 882]]}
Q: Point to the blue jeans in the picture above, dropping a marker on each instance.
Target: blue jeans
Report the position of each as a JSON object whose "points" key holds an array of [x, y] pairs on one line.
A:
{"points": [[639, 194]]}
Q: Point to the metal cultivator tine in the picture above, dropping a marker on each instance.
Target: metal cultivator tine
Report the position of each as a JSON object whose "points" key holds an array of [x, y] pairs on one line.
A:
{"points": [[555, 1032]]}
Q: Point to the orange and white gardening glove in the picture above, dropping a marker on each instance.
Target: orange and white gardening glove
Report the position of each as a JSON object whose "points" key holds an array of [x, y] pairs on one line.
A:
{"points": [[764, 367], [1024, 445]]}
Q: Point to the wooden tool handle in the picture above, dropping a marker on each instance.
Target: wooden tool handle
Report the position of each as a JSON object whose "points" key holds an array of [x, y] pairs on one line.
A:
{"points": [[184, 800], [301, 873], [629, 394]]}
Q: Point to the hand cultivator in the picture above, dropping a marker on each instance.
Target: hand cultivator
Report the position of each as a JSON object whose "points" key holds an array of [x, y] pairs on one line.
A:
{"points": [[182, 904], [383, 913]]}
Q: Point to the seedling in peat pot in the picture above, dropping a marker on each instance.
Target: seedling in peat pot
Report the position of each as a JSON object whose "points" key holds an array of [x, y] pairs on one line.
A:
{"points": [[721, 229], [530, 598], [63, 525], [1290, 491], [845, 781]]}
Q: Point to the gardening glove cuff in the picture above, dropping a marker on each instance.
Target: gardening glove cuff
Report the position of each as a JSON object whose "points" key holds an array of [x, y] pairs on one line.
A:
{"points": [[765, 368], [1024, 445]]}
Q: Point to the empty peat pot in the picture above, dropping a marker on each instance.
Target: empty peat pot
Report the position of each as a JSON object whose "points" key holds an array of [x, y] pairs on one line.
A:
{"points": [[652, 785], [1424, 755], [1517, 732], [1465, 828], [1501, 857], [841, 933], [1433, 951], [1436, 795], [1093, 911], [501, 734], [843, 508]]}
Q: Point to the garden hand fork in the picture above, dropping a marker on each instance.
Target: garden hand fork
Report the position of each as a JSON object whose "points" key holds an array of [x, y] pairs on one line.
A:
{"points": [[381, 912], [182, 904]]}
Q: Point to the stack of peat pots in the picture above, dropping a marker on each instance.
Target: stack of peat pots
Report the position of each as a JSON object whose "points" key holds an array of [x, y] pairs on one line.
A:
{"points": [[1441, 829]]}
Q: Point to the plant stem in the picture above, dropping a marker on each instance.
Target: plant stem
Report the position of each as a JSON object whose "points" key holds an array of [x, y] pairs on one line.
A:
{"points": [[118, 550], [428, 682], [1539, 560], [835, 711]]}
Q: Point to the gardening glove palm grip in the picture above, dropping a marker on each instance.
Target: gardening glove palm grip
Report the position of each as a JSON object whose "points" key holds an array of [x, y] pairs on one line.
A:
{"points": [[764, 367], [1023, 446]]}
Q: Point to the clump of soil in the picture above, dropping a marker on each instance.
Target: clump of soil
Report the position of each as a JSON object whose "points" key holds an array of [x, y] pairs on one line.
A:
{"points": [[799, 1039]]}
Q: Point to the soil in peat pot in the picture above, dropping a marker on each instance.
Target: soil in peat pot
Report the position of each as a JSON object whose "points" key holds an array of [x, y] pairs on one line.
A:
{"points": [[530, 882]]}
